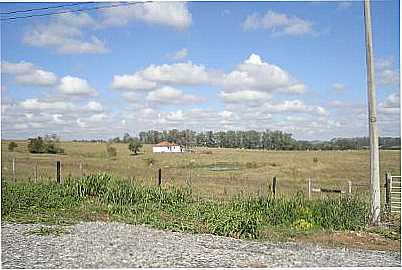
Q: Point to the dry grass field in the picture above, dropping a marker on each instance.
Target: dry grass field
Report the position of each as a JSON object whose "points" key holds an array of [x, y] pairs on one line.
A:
{"points": [[214, 173]]}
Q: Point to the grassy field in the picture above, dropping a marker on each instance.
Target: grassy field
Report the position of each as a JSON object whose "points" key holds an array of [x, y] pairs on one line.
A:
{"points": [[128, 193], [214, 173]]}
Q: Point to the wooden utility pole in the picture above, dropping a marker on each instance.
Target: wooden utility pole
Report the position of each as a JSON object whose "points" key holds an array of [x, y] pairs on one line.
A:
{"points": [[374, 155]]}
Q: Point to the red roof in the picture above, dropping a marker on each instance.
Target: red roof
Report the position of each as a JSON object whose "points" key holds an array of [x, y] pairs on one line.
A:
{"points": [[165, 144]]}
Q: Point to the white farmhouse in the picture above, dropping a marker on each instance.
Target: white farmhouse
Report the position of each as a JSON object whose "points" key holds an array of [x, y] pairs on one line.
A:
{"points": [[167, 147]]}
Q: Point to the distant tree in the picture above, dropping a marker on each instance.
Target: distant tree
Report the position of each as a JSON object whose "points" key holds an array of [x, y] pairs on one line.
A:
{"points": [[116, 140], [134, 145], [36, 145], [126, 138], [48, 145], [12, 146]]}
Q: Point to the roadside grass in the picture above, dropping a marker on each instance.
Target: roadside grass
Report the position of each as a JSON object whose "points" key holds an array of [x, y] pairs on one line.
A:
{"points": [[108, 198]]}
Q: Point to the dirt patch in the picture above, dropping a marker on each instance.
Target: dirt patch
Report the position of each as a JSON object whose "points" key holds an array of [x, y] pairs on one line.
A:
{"points": [[361, 240]]}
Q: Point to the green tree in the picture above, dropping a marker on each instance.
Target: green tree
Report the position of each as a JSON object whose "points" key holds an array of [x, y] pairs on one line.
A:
{"points": [[47, 145], [134, 145], [12, 146]]}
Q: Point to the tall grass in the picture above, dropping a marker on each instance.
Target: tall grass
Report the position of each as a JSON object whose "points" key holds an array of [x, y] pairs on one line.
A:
{"points": [[243, 216]]}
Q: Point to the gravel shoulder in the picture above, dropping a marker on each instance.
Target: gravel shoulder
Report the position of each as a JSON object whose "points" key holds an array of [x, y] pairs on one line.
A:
{"points": [[117, 245]]}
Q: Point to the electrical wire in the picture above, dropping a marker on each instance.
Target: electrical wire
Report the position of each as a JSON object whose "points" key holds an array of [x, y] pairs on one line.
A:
{"points": [[70, 11], [43, 8]]}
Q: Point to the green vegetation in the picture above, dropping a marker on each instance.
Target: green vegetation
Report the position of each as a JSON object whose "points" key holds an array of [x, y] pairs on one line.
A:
{"points": [[103, 196], [12, 146], [134, 145], [48, 144], [251, 139]]}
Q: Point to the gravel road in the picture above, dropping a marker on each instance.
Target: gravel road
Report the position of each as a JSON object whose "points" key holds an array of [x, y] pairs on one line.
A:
{"points": [[116, 245]]}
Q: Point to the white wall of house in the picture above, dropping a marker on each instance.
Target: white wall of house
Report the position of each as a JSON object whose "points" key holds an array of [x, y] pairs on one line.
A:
{"points": [[167, 149]]}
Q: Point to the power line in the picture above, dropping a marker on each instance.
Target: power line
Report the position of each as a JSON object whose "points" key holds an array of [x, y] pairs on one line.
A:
{"points": [[70, 11], [43, 8]]}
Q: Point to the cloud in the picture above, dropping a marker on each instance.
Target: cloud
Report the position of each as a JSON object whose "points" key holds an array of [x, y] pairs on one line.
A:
{"points": [[244, 96], [344, 5], [73, 86], [169, 95], [64, 33], [386, 74], [279, 24], [99, 117], [94, 106], [81, 123], [177, 74], [338, 87], [155, 76], [392, 101], [172, 14], [181, 54], [33, 104], [132, 83], [294, 106], [254, 74], [28, 74]]}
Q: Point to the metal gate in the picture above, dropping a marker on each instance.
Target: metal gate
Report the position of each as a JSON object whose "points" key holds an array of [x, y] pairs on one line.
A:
{"points": [[393, 193]]}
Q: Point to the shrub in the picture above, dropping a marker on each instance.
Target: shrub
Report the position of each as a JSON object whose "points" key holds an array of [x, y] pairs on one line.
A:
{"points": [[111, 151], [47, 145], [315, 159], [134, 145], [12, 146]]}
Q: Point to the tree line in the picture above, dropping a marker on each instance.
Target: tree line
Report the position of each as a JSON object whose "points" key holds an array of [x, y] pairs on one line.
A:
{"points": [[251, 139]]}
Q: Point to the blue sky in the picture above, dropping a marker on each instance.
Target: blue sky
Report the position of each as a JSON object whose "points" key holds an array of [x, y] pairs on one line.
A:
{"points": [[294, 66]]}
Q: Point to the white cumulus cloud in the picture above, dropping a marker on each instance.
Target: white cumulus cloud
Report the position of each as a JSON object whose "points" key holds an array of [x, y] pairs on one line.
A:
{"points": [[65, 34], [33, 104], [172, 14], [74, 86], [278, 23], [170, 95], [28, 74]]}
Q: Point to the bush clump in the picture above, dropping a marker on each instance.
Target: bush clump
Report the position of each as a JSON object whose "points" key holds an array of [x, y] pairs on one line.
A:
{"points": [[12, 146], [49, 145]]}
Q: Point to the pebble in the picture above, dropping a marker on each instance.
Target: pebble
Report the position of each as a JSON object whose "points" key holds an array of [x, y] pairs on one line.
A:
{"points": [[118, 245]]}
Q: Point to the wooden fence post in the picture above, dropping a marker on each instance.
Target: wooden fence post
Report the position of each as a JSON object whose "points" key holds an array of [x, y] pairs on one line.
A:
{"points": [[309, 188], [14, 178], [274, 186], [58, 171], [159, 179], [388, 191]]}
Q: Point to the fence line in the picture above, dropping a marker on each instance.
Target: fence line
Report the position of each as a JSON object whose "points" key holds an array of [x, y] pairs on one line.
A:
{"points": [[45, 169], [327, 190]]}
